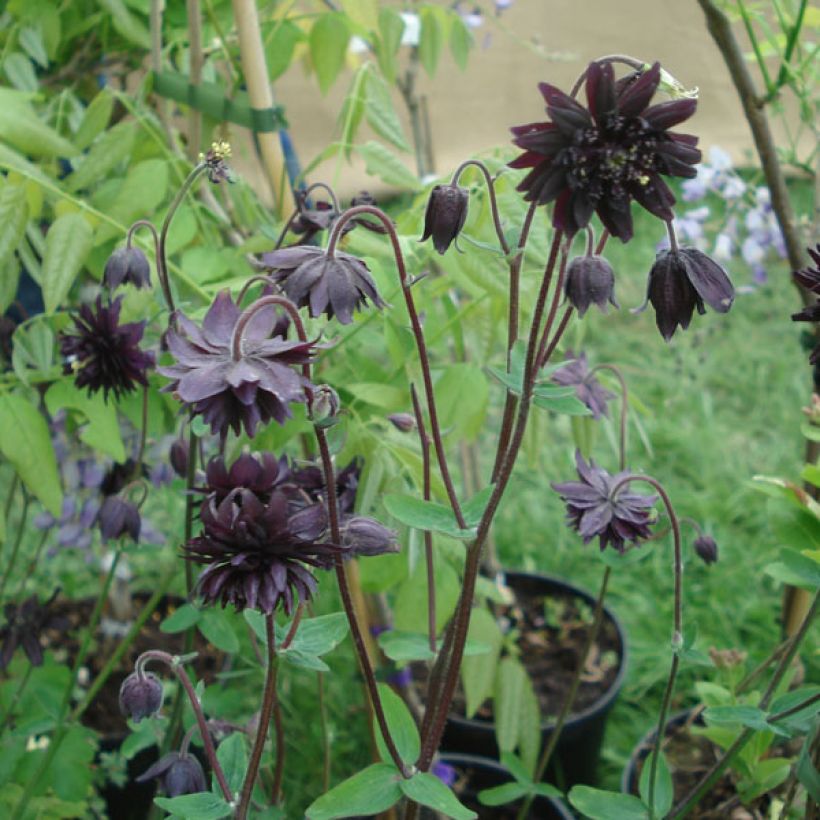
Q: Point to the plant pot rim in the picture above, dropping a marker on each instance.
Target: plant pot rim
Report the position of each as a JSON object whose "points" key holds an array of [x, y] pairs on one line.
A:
{"points": [[476, 761], [603, 704]]}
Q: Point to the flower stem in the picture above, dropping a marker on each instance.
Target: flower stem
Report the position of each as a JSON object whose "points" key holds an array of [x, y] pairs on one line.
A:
{"points": [[499, 232], [16, 697], [632, 62], [418, 334], [182, 676], [253, 309], [711, 777], [569, 701], [268, 700], [18, 539]]}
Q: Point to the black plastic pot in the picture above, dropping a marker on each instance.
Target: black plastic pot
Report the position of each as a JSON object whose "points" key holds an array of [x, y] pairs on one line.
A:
{"points": [[575, 759], [484, 774]]}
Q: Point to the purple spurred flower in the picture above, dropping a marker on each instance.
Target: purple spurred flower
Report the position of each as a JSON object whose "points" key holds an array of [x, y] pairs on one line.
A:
{"points": [[596, 509], [588, 389], [598, 159], [236, 383], [127, 265], [102, 354], [590, 281], [141, 695], [179, 773], [24, 626]]}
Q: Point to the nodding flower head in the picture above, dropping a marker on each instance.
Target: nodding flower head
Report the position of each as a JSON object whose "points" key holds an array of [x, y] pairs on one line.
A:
{"points": [[127, 265], [179, 773], [140, 695], [590, 281], [445, 215]]}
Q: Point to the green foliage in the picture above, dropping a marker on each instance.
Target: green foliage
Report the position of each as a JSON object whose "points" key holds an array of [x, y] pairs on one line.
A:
{"points": [[370, 791]]}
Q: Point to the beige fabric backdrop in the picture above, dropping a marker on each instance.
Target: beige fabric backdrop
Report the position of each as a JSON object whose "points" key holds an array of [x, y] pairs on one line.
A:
{"points": [[471, 111]]}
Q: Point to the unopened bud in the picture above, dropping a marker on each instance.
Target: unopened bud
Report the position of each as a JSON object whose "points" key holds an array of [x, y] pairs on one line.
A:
{"points": [[118, 517], [367, 537], [706, 548], [445, 215], [140, 695], [179, 773], [403, 422], [325, 404], [178, 457], [127, 265], [590, 281]]}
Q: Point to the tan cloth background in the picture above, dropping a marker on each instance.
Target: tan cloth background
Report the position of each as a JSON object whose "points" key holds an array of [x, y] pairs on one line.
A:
{"points": [[470, 111]]}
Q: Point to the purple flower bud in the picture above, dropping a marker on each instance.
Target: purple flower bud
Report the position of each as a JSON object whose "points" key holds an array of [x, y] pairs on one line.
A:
{"points": [[117, 518], [444, 772], [180, 773], [445, 215], [367, 537], [179, 457], [127, 265], [403, 422], [706, 548], [590, 280], [140, 696]]}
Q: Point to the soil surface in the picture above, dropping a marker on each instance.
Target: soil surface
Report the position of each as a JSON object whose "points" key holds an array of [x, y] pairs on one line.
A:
{"points": [[103, 715], [552, 637]]}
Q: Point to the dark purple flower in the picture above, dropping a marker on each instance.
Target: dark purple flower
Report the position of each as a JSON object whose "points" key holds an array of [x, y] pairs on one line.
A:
{"points": [[256, 552], [444, 772], [312, 220], [216, 162], [587, 388], [127, 265], [403, 422], [103, 354], [118, 517], [238, 388], [366, 537], [682, 280], [178, 456], [140, 695], [598, 159], [590, 281], [595, 511], [179, 773], [24, 626], [312, 481], [445, 215], [706, 549], [334, 285], [260, 474], [809, 278], [364, 198]]}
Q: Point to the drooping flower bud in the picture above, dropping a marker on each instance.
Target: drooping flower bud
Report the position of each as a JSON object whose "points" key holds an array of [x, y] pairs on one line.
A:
{"points": [[178, 457], [706, 548], [367, 537], [127, 265], [180, 773], [140, 695], [118, 517], [445, 215], [590, 281], [403, 422], [325, 406]]}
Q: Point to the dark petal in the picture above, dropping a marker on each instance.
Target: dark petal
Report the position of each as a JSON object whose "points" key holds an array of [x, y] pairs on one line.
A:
{"points": [[563, 218], [568, 114], [220, 320], [635, 97], [709, 279], [595, 520], [616, 216], [665, 115], [808, 314], [671, 294], [541, 138], [582, 209], [159, 768], [656, 197], [32, 648], [203, 382], [291, 257], [600, 89], [526, 160]]}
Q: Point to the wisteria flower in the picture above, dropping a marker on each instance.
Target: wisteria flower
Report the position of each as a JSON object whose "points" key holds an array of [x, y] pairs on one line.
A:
{"points": [[236, 382], [598, 159], [102, 354], [596, 509]]}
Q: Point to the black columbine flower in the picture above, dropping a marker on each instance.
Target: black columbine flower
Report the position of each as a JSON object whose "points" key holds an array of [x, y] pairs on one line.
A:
{"points": [[445, 215], [809, 278], [141, 695], [127, 265], [367, 537], [311, 220], [118, 517], [179, 773], [256, 553], [103, 354], [334, 285], [311, 480], [590, 281], [235, 391], [598, 159], [681, 280], [595, 511], [587, 388], [706, 549], [260, 474], [24, 626]]}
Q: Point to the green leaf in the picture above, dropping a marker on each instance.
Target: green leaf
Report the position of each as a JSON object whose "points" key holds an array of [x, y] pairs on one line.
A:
{"points": [[318, 636], [304, 660], [559, 400], [368, 792], [465, 418], [505, 793], [181, 619], [431, 39], [201, 806], [216, 628], [20, 72], [429, 791], [33, 348], [799, 722], [515, 766], [68, 243], [280, 45], [511, 682], [410, 609], [391, 29], [461, 41], [364, 13], [514, 379], [142, 191], [402, 727], [384, 164], [381, 114], [31, 40], [233, 757], [598, 804], [529, 729], [478, 672], [405, 646], [102, 430], [379, 395], [113, 146], [13, 218], [328, 45], [749, 716], [21, 128], [95, 119], [425, 515], [546, 790], [10, 271], [473, 510], [796, 569], [126, 24], [805, 770], [26, 443], [664, 790]]}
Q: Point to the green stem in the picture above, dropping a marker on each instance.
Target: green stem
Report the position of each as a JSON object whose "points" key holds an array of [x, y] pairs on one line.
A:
{"points": [[12, 560], [16, 697], [326, 752], [791, 44], [750, 32]]}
